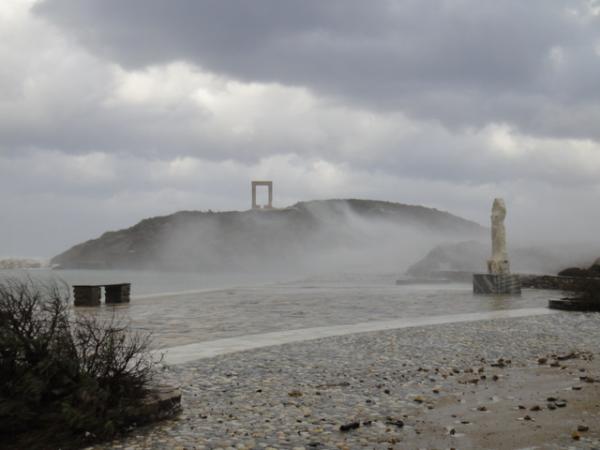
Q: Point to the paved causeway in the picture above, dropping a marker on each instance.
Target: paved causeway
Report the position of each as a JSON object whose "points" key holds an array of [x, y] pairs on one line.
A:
{"points": [[191, 352]]}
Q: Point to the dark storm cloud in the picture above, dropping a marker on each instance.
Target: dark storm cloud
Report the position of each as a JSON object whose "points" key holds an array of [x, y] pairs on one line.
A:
{"points": [[532, 64]]}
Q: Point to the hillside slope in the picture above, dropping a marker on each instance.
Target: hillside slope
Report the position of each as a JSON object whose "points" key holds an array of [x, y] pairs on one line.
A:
{"points": [[471, 256], [327, 232]]}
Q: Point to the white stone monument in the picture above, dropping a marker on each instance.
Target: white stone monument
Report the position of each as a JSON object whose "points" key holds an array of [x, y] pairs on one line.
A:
{"points": [[498, 264], [498, 280]]}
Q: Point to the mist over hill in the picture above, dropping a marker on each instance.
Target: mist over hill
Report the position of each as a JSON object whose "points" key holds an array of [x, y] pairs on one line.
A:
{"points": [[310, 236], [471, 257]]}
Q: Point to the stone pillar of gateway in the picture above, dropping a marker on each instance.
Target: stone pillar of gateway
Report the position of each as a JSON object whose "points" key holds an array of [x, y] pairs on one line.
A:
{"points": [[498, 280]]}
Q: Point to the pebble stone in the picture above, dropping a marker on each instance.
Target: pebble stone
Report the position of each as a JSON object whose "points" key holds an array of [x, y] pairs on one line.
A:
{"points": [[243, 401]]}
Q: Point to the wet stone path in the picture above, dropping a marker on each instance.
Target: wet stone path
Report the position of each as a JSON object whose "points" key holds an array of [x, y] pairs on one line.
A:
{"points": [[369, 390]]}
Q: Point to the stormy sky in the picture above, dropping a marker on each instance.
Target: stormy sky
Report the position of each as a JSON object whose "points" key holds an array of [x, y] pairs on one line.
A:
{"points": [[116, 110]]}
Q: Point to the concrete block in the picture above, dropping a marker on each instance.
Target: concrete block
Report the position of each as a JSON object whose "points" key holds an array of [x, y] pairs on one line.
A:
{"points": [[488, 283], [87, 295]]}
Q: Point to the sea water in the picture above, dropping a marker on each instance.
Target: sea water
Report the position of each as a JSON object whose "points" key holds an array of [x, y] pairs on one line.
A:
{"points": [[182, 308]]}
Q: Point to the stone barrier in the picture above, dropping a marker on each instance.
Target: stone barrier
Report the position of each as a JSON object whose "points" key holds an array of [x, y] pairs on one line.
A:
{"points": [[90, 295], [553, 282]]}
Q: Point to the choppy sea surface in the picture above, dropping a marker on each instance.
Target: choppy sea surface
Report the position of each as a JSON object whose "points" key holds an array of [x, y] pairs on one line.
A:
{"points": [[181, 308]]}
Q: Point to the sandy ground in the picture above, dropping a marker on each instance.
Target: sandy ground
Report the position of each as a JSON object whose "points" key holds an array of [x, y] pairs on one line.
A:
{"points": [[526, 407]]}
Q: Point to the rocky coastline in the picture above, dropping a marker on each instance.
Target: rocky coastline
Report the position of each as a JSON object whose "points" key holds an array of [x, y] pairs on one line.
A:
{"points": [[21, 263]]}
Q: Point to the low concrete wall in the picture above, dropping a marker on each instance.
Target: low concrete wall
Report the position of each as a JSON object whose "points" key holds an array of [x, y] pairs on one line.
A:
{"points": [[553, 282]]}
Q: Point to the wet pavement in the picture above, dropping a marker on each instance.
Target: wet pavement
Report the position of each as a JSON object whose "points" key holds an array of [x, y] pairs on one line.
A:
{"points": [[208, 315]]}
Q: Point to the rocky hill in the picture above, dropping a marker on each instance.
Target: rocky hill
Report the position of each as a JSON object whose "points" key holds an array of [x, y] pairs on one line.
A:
{"points": [[328, 233]]}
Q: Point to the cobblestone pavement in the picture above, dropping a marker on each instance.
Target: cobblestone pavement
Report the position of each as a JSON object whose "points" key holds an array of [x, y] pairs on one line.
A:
{"points": [[428, 387]]}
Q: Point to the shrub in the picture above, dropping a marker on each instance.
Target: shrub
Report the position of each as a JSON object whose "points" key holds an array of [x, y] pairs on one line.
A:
{"points": [[66, 375]]}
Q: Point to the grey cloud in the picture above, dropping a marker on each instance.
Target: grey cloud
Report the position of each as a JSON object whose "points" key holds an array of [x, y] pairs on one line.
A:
{"points": [[455, 65], [463, 63]]}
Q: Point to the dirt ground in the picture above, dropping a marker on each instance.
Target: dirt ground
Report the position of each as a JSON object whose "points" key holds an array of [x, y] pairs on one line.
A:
{"points": [[555, 404]]}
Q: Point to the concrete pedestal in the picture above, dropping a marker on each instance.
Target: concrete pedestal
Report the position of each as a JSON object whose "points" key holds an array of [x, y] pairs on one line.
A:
{"points": [[488, 283]]}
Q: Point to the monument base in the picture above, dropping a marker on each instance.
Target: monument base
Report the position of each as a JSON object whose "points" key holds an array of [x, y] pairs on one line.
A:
{"points": [[489, 283]]}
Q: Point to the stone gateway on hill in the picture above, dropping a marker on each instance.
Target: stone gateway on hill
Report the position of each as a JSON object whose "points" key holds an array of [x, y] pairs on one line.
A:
{"points": [[269, 185]]}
